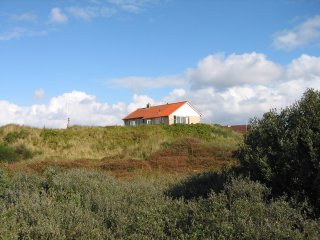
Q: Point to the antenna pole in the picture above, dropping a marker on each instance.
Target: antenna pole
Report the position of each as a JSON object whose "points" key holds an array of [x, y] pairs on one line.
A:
{"points": [[68, 121], [68, 124]]}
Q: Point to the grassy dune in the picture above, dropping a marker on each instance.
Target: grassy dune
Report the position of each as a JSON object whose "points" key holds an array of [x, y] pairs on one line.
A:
{"points": [[42, 196], [182, 148]]}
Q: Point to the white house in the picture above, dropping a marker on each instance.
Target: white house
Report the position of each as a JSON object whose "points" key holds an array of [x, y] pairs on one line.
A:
{"points": [[170, 113]]}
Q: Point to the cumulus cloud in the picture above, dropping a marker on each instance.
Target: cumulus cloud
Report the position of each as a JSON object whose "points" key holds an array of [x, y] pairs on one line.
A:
{"points": [[138, 84], [140, 101], [232, 89], [303, 34], [220, 72], [306, 67], [39, 94], [57, 16], [234, 103], [80, 107], [240, 100]]}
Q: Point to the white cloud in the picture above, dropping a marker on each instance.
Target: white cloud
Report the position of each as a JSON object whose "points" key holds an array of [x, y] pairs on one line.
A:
{"points": [[219, 71], [240, 100], [85, 14], [57, 16], [140, 101], [306, 67], [18, 33], [305, 33], [139, 84], [39, 94], [108, 8], [88, 13], [234, 103], [9, 112], [29, 17], [133, 6], [14, 34], [232, 89], [82, 108]]}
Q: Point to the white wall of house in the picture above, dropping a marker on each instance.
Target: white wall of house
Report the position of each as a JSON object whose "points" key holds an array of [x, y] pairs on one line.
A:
{"points": [[185, 110]]}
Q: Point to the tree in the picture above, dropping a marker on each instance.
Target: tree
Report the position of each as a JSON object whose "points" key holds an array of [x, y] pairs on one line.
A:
{"points": [[282, 150]]}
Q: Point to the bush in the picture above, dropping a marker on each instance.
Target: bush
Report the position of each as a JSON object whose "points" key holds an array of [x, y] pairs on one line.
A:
{"points": [[11, 154], [282, 150], [80, 204], [8, 154], [200, 185], [11, 137]]}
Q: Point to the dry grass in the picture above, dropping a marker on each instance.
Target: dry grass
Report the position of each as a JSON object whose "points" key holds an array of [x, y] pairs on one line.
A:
{"points": [[124, 150]]}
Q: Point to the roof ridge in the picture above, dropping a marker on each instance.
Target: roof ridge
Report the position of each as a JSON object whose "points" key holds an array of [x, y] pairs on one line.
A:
{"points": [[164, 104], [151, 112]]}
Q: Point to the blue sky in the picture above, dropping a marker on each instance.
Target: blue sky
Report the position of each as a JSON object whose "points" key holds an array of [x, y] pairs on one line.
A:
{"points": [[97, 60]]}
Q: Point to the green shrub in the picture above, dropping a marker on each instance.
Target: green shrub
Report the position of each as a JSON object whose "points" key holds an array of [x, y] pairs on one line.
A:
{"points": [[13, 154], [8, 154], [80, 204], [200, 185], [11, 137], [23, 152], [282, 150]]}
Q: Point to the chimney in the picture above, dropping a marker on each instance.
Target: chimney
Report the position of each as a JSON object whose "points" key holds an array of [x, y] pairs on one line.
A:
{"points": [[148, 105]]}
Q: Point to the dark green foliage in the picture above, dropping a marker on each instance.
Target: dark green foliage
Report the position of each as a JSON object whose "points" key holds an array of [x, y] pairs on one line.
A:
{"points": [[87, 205], [13, 154], [23, 152], [8, 154], [282, 150], [200, 185], [12, 137]]}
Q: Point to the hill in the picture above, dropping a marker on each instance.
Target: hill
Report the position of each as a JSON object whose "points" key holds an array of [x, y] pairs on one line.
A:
{"points": [[119, 149]]}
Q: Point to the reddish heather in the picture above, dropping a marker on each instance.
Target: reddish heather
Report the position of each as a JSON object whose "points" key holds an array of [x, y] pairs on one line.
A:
{"points": [[239, 128]]}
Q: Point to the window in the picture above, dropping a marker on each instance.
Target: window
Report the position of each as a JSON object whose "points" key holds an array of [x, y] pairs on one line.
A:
{"points": [[163, 120], [149, 121], [157, 120], [181, 120], [132, 122]]}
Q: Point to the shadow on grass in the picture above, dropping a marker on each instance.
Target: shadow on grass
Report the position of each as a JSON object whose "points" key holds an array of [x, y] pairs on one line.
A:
{"points": [[200, 185]]}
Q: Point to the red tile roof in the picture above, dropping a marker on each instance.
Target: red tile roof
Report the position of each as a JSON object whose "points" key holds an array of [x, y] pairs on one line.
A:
{"points": [[239, 128], [155, 111]]}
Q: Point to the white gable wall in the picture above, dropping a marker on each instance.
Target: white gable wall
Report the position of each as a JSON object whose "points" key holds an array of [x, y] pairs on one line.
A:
{"points": [[184, 111]]}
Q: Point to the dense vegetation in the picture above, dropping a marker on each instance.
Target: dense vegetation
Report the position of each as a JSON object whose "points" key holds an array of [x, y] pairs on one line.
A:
{"points": [[272, 192], [282, 150], [80, 204]]}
